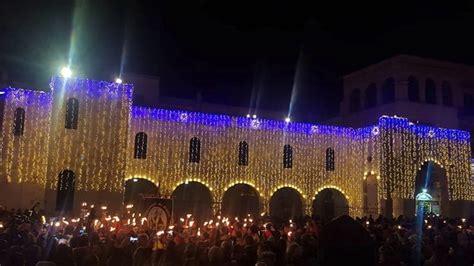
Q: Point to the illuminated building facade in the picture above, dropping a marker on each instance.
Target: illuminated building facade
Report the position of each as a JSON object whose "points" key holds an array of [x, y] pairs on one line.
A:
{"points": [[85, 142]]}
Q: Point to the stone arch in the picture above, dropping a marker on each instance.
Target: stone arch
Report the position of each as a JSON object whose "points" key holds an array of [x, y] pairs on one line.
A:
{"points": [[430, 91], [330, 203], [413, 89], [135, 189], [388, 90], [241, 199], [371, 96], [192, 197], [286, 203], [371, 192], [432, 178], [354, 100]]}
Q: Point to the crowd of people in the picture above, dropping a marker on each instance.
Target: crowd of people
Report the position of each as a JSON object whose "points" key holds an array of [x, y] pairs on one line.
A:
{"points": [[29, 238]]}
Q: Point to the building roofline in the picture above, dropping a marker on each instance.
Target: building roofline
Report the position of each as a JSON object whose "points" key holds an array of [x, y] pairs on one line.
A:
{"points": [[409, 59]]}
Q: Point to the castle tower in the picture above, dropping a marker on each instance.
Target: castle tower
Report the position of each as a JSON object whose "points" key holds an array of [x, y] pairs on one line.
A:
{"points": [[88, 135]]}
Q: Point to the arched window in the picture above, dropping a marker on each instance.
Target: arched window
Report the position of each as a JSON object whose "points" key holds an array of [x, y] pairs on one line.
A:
{"points": [[371, 96], [194, 150], [243, 153], [413, 89], [141, 140], [330, 157], [19, 122], [430, 91], [287, 156], [354, 101], [65, 191], [388, 91], [447, 93], [72, 113]]}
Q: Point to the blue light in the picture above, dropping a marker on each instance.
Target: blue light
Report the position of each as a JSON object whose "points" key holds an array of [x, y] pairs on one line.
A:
{"points": [[224, 121], [423, 131], [95, 88]]}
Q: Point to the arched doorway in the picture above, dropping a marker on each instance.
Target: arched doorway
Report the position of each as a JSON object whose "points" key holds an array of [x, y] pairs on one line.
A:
{"points": [[135, 190], [65, 191], [370, 189], [431, 182], [192, 198], [286, 203], [241, 200], [329, 204]]}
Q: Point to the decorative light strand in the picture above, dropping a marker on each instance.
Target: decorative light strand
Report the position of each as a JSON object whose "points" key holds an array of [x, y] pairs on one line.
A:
{"points": [[100, 152]]}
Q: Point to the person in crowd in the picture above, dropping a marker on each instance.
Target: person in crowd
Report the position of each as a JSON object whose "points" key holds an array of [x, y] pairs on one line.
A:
{"points": [[27, 239]]}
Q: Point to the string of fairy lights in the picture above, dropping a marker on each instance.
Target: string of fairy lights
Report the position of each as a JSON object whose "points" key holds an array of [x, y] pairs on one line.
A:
{"points": [[23, 156], [95, 151], [169, 134], [405, 147], [100, 152]]}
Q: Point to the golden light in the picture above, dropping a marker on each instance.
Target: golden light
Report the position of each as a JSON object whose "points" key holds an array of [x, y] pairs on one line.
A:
{"points": [[115, 156]]}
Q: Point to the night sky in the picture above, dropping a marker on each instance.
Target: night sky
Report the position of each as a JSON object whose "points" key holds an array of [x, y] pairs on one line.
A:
{"points": [[262, 54]]}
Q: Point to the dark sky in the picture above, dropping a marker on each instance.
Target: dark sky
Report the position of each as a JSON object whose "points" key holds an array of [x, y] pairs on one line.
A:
{"points": [[234, 52]]}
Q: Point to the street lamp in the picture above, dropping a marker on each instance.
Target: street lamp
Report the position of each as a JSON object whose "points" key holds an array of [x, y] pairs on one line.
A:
{"points": [[66, 72]]}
